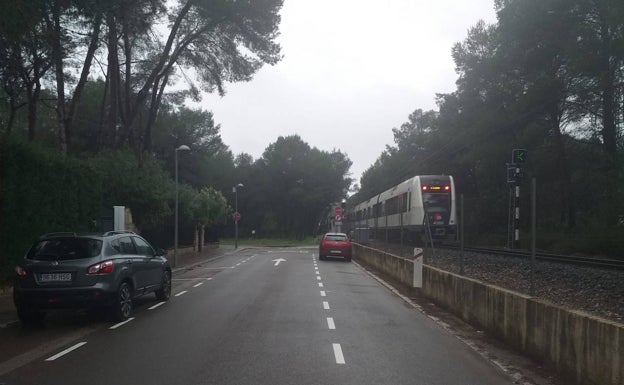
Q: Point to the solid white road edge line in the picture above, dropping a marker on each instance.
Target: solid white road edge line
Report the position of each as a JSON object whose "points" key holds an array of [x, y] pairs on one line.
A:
{"points": [[121, 323], [338, 354], [54, 357]]}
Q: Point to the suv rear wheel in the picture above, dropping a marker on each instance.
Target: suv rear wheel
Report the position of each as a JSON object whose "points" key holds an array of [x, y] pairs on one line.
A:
{"points": [[164, 292], [122, 307]]}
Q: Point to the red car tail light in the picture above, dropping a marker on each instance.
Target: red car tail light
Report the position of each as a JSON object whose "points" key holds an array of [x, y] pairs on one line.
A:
{"points": [[105, 267], [20, 271]]}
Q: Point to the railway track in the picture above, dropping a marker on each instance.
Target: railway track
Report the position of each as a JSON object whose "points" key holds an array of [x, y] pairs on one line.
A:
{"points": [[597, 262]]}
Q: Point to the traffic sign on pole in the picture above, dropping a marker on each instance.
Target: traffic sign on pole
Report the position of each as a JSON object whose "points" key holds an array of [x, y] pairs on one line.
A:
{"points": [[338, 210], [236, 216]]}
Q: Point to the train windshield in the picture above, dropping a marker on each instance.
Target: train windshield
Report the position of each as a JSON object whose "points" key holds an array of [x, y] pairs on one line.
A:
{"points": [[436, 202]]}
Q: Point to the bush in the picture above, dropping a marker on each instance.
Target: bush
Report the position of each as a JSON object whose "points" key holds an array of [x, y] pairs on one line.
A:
{"points": [[41, 192]]}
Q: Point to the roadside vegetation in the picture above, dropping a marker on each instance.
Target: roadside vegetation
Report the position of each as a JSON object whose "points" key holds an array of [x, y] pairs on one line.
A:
{"points": [[88, 120], [547, 77]]}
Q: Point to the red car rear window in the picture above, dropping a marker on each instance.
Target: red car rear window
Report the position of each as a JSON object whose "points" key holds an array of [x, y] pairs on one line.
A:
{"points": [[339, 238]]}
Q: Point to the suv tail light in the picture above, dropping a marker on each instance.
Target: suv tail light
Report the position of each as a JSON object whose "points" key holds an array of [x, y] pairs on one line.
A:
{"points": [[105, 267], [20, 271]]}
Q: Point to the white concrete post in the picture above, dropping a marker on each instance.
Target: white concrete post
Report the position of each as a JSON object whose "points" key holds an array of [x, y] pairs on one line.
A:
{"points": [[119, 218], [418, 267]]}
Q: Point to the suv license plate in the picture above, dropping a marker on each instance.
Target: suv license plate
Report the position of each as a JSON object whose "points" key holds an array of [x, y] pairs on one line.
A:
{"points": [[55, 277]]}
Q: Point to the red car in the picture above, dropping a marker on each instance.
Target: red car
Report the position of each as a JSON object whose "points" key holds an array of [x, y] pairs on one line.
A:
{"points": [[335, 245]]}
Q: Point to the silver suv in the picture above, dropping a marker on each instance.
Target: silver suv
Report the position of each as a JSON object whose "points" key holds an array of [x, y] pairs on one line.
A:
{"points": [[68, 270]]}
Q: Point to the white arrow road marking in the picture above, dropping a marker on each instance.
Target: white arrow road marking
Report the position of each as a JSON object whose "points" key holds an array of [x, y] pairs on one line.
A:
{"points": [[278, 260]]}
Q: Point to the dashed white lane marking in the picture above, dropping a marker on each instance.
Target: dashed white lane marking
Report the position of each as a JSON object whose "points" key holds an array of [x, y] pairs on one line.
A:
{"points": [[155, 306], [316, 268], [323, 293], [238, 264], [317, 273], [121, 323], [338, 354], [325, 305], [320, 284], [319, 277], [180, 293], [198, 284], [61, 354], [330, 323]]}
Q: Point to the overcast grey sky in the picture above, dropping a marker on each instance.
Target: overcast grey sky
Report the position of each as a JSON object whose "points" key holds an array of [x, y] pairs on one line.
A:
{"points": [[352, 70]]}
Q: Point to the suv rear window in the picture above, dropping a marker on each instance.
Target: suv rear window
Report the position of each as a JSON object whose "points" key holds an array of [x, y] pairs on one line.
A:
{"points": [[65, 248]]}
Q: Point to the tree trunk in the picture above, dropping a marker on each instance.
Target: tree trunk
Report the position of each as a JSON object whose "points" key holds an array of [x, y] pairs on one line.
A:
{"points": [[86, 68], [33, 100], [113, 78], [57, 54], [609, 129], [196, 238], [202, 237], [568, 215]]}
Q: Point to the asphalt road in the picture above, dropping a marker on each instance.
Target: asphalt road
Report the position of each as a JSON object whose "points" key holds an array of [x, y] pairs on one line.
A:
{"points": [[258, 316]]}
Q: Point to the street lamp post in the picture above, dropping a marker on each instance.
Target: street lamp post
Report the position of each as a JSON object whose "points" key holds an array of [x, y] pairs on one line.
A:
{"points": [[175, 233], [235, 190]]}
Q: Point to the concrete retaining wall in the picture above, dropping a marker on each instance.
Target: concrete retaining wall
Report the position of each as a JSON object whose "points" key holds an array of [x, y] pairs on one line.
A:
{"points": [[582, 348]]}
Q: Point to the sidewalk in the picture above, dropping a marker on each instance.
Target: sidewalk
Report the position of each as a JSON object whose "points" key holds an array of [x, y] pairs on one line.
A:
{"points": [[185, 259]]}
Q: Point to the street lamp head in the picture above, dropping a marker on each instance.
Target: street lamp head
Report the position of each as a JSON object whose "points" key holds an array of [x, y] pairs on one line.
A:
{"points": [[183, 147], [240, 185]]}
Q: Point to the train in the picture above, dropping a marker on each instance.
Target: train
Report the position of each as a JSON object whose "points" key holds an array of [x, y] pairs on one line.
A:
{"points": [[400, 212]]}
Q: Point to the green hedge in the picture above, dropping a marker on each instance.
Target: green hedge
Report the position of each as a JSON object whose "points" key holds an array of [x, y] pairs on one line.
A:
{"points": [[40, 192]]}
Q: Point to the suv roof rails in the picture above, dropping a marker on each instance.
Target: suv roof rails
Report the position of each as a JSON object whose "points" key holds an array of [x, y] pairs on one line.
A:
{"points": [[59, 234], [114, 232]]}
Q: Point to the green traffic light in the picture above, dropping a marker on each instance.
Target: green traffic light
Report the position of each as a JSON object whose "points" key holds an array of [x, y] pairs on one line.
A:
{"points": [[519, 155]]}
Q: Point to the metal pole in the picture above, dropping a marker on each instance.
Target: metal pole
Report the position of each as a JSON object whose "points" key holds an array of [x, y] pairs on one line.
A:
{"points": [[175, 233], [461, 235], [235, 221], [533, 233], [517, 213]]}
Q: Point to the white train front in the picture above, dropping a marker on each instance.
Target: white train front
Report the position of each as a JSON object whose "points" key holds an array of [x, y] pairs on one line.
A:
{"points": [[402, 208]]}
